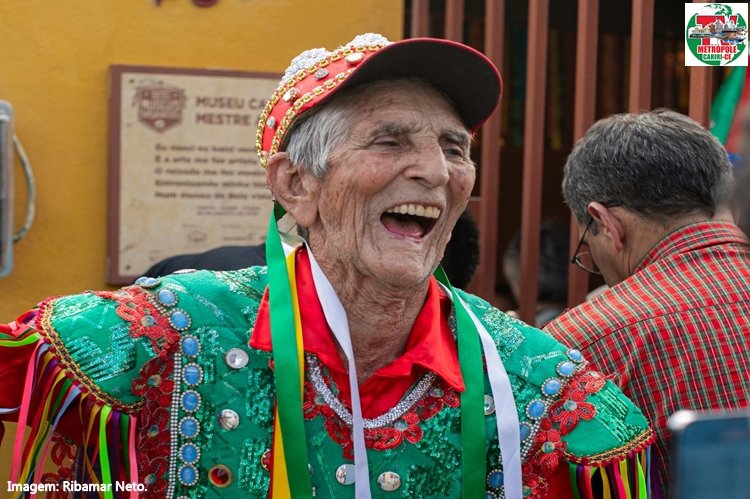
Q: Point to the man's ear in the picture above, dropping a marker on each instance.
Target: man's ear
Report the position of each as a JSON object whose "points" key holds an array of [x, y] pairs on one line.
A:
{"points": [[294, 188], [609, 223]]}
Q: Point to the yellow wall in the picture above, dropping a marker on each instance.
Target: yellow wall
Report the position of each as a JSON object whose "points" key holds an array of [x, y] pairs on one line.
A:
{"points": [[53, 69]]}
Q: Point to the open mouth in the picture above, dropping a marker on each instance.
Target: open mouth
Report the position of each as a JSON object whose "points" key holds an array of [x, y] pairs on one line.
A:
{"points": [[410, 220]]}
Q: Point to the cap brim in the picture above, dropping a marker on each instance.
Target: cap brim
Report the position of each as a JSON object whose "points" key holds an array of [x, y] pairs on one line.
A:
{"points": [[465, 75]]}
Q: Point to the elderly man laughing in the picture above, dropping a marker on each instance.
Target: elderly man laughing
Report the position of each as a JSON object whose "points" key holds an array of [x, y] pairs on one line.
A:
{"points": [[344, 368]]}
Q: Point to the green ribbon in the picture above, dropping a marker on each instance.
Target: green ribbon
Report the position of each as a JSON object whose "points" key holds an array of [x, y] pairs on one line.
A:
{"points": [[284, 343], [20, 343], [124, 441], [473, 439], [573, 474], [104, 451]]}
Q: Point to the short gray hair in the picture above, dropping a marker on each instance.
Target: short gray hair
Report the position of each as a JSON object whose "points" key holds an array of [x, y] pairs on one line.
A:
{"points": [[656, 164], [312, 139]]}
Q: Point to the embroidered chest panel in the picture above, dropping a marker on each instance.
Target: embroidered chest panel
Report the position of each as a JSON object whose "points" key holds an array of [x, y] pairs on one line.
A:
{"points": [[221, 444], [205, 427]]}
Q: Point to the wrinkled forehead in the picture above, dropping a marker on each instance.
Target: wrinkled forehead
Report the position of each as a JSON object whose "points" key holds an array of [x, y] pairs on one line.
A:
{"points": [[405, 102]]}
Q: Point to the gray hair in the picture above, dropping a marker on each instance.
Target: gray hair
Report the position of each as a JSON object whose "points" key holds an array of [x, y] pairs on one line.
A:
{"points": [[313, 137], [656, 164], [318, 132]]}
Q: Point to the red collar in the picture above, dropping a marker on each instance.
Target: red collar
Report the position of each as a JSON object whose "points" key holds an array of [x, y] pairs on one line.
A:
{"points": [[431, 344]]}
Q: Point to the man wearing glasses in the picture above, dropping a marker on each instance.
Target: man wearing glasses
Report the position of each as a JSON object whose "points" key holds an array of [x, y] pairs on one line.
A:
{"points": [[651, 194]]}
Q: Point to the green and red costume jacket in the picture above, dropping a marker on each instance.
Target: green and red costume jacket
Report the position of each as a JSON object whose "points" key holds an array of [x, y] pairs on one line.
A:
{"points": [[168, 385]]}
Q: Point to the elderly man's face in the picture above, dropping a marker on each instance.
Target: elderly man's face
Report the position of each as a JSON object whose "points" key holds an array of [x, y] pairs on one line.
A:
{"points": [[395, 186]]}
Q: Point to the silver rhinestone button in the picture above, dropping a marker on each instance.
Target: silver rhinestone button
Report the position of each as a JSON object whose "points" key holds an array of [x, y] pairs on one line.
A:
{"points": [[321, 74], [389, 481], [236, 358], [489, 405], [185, 271], [228, 419], [345, 474], [290, 95], [355, 58]]}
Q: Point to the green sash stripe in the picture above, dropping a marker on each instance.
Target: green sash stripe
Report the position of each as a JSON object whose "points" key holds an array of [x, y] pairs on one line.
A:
{"points": [[473, 452], [284, 342]]}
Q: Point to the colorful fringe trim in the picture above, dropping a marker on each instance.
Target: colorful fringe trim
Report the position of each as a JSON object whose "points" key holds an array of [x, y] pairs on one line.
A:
{"points": [[107, 436], [626, 478]]}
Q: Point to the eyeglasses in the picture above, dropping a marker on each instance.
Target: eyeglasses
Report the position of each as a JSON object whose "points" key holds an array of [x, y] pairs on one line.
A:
{"points": [[583, 259]]}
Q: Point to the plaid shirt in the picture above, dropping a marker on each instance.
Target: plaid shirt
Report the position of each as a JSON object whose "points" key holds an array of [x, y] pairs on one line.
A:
{"points": [[677, 332]]}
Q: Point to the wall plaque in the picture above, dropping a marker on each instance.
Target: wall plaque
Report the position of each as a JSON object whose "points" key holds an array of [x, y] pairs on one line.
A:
{"points": [[184, 174]]}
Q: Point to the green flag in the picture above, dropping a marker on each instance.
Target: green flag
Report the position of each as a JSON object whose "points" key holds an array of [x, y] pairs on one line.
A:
{"points": [[726, 102]]}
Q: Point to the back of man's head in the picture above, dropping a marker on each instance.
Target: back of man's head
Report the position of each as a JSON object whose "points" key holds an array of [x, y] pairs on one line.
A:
{"points": [[658, 165]]}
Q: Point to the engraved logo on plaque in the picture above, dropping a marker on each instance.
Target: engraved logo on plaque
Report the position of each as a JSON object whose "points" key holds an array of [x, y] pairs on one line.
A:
{"points": [[159, 105]]}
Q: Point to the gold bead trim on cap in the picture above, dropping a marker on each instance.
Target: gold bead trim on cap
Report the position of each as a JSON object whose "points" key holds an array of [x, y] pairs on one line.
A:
{"points": [[289, 94]]}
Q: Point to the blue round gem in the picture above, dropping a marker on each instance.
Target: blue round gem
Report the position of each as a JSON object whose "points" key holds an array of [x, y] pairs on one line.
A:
{"points": [[189, 453], [190, 401], [570, 405], [495, 480], [575, 355], [535, 409], [148, 282], [179, 320], [190, 346], [490, 495], [188, 475], [566, 368], [148, 321], [166, 297], [192, 374], [525, 431], [551, 387], [189, 427]]}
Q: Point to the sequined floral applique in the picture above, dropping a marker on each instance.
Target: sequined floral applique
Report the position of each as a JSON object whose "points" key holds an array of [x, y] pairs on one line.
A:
{"points": [[406, 428], [551, 445], [155, 385], [561, 419], [63, 454], [136, 306]]}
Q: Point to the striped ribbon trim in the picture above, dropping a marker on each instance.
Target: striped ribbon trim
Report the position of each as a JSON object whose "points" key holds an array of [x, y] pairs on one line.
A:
{"points": [[621, 479], [107, 434]]}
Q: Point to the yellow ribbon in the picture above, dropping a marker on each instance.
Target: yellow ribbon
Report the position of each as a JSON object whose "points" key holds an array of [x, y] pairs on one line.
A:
{"points": [[280, 487]]}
